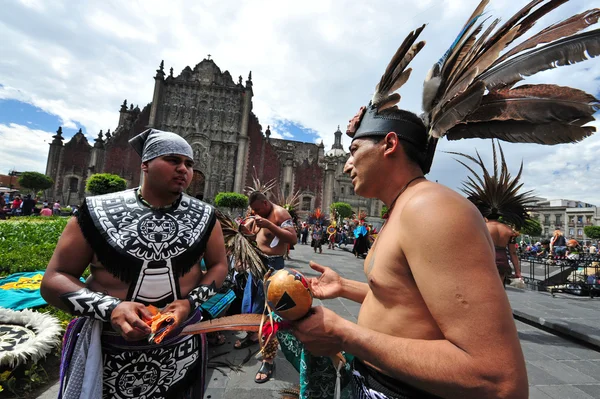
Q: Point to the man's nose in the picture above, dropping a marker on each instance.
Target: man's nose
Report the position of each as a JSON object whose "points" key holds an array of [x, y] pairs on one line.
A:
{"points": [[348, 166]]}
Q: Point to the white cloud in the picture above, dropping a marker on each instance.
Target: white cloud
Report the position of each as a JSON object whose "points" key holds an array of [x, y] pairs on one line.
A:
{"points": [[23, 148], [313, 62]]}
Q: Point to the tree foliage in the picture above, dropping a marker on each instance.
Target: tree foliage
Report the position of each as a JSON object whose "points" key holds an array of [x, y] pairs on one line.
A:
{"points": [[341, 209], [592, 232], [231, 200], [35, 181], [532, 227], [384, 210], [104, 183]]}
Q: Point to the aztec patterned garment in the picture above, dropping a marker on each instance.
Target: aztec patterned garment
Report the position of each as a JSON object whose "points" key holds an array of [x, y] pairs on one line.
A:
{"points": [[149, 249]]}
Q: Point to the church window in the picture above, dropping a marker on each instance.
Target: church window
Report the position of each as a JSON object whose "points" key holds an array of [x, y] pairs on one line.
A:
{"points": [[342, 190], [306, 203], [287, 189], [73, 183]]}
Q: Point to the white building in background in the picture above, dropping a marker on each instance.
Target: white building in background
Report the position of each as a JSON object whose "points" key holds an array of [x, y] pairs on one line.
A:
{"points": [[567, 215]]}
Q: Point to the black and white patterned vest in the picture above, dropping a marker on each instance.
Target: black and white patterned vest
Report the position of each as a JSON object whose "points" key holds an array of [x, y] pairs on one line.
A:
{"points": [[148, 248]]}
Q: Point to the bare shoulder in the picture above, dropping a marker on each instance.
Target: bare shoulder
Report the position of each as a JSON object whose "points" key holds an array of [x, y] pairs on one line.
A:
{"points": [[281, 214], [432, 207]]}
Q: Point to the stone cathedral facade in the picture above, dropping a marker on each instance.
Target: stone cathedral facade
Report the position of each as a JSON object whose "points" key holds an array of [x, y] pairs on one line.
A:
{"points": [[214, 114]]}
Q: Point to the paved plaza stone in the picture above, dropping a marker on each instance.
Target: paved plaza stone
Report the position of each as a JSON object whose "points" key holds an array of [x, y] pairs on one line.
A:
{"points": [[557, 367]]}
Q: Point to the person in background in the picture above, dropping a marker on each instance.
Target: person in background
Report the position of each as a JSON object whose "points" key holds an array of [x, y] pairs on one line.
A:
{"points": [[46, 211]]}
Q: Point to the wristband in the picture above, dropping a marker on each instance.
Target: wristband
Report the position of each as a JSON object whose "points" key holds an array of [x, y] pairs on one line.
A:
{"points": [[201, 294], [90, 304]]}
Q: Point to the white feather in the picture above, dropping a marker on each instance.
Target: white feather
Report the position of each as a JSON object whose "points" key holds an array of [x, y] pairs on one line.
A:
{"points": [[48, 334]]}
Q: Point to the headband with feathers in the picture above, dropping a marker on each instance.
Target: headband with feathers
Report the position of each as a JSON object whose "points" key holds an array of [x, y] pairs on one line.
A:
{"points": [[496, 195], [470, 93]]}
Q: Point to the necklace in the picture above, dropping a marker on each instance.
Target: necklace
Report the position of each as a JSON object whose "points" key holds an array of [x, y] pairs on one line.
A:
{"points": [[403, 189], [156, 208]]}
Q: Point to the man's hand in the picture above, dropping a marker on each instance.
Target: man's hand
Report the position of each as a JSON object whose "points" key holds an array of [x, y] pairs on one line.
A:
{"points": [[328, 285], [128, 319], [181, 309], [263, 222], [318, 331]]}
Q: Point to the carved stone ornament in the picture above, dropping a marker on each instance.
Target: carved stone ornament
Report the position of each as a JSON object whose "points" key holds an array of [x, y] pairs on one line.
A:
{"points": [[355, 122]]}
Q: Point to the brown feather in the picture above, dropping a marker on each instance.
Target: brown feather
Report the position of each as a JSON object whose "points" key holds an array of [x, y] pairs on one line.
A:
{"points": [[521, 132], [457, 109], [562, 29], [238, 322], [401, 80], [455, 61], [566, 51], [389, 102], [529, 21], [454, 90], [382, 90], [508, 26], [488, 58], [459, 71], [547, 103]]}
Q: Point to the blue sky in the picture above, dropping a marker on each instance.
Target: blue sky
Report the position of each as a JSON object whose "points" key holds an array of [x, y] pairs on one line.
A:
{"points": [[314, 63]]}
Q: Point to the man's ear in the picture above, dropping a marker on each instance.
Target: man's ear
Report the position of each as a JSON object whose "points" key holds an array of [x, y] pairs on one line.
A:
{"points": [[391, 142], [145, 166]]}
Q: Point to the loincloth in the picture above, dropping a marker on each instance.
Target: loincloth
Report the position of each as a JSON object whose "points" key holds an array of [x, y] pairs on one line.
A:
{"points": [[369, 383]]}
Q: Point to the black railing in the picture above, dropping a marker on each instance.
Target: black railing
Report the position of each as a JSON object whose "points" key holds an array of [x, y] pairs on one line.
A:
{"points": [[577, 274]]}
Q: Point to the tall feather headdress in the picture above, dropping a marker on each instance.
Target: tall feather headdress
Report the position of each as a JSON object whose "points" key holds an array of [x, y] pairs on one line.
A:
{"points": [[470, 93], [497, 194]]}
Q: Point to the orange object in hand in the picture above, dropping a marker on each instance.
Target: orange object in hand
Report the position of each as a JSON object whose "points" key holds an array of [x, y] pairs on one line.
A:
{"points": [[161, 324]]}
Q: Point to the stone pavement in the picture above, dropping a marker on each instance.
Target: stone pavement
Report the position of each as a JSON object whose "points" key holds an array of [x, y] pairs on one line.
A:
{"points": [[557, 368]]}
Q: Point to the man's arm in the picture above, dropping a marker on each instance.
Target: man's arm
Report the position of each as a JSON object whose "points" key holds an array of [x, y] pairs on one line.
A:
{"points": [[514, 258], [330, 285], [285, 232], [215, 257], [61, 287], [216, 266], [465, 297]]}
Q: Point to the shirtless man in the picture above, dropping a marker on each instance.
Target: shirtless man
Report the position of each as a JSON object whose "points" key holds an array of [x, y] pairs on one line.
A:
{"points": [[503, 236], [424, 330], [144, 247], [275, 231]]}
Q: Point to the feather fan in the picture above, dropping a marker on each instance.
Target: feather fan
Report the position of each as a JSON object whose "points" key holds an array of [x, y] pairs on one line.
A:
{"points": [[238, 322], [247, 256]]}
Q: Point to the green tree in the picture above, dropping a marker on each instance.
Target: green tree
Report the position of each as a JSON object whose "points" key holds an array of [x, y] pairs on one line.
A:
{"points": [[104, 183], [35, 181], [341, 209], [532, 228], [231, 201], [384, 210], [592, 232]]}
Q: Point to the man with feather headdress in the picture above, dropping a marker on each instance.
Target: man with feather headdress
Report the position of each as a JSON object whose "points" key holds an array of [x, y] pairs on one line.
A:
{"points": [[501, 204], [423, 330]]}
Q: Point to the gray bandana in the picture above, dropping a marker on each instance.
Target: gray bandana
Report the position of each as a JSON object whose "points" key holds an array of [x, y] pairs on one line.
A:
{"points": [[154, 143]]}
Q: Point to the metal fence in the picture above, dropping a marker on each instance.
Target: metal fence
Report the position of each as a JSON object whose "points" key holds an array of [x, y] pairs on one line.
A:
{"points": [[579, 275]]}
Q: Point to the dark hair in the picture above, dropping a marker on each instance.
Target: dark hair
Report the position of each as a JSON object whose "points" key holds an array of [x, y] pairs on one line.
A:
{"points": [[256, 196]]}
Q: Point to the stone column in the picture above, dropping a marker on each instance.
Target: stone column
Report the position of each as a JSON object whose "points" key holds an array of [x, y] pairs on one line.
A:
{"points": [[159, 80], [54, 154], [242, 150], [328, 187]]}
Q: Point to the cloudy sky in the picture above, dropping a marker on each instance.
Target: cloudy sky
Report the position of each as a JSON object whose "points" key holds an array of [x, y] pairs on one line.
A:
{"points": [[313, 63]]}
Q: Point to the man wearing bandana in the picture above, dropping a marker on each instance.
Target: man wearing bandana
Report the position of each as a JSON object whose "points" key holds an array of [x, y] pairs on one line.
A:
{"points": [[144, 247]]}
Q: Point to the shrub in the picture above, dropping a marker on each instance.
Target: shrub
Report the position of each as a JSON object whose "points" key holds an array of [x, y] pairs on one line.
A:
{"points": [[104, 183], [27, 244], [341, 209], [231, 200]]}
